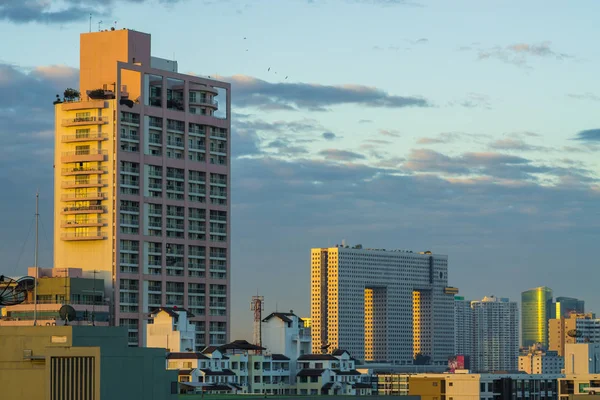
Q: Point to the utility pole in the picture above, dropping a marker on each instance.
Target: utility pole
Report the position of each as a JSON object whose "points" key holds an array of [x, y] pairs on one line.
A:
{"points": [[35, 257]]}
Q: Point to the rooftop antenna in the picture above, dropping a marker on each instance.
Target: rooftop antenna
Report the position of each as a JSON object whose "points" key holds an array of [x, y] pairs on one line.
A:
{"points": [[99, 25], [35, 256], [257, 305], [90, 22]]}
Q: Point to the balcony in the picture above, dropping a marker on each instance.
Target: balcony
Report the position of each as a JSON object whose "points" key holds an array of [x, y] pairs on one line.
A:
{"points": [[84, 196], [85, 137], [198, 87], [83, 210], [130, 137], [83, 236], [83, 156], [82, 105], [83, 223], [205, 102], [218, 182], [101, 120], [84, 183], [83, 171]]}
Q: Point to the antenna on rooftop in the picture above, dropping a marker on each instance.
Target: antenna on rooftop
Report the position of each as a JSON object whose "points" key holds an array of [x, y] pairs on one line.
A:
{"points": [[99, 26], [257, 305], [90, 22]]}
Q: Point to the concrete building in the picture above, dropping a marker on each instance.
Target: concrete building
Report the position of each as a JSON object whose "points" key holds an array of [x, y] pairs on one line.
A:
{"points": [[539, 361], [463, 327], [536, 310], [382, 305], [564, 306], [576, 328], [495, 335], [284, 333], [142, 184], [582, 370], [80, 362], [501, 386], [80, 289], [170, 328]]}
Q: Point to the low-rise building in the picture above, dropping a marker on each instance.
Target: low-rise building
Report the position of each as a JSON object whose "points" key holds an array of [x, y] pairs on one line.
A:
{"points": [[495, 386], [170, 328], [285, 333], [538, 361], [84, 292], [80, 362]]}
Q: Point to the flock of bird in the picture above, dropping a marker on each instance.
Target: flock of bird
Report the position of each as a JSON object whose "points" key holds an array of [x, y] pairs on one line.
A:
{"points": [[269, 69]]}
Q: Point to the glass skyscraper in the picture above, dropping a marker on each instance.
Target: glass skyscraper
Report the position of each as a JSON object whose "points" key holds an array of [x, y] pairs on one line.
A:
{"points": [[536, 310], [566, 305]]}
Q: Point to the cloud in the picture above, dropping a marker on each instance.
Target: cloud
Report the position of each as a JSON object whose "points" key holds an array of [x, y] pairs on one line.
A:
{"points": [[59, 12], [515, 144], [421, 41], [519, 53], [389, 132], [449, 137], [257, 93], [473, 100], [589, 135], [328, 135], [285, 147], [341, 155], [365, 121], [584, 96]]}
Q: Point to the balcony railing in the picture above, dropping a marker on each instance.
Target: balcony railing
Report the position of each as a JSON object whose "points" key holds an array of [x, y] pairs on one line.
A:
{"points": [[218, 181], [84, 183], [83, 223], [85, 137], [84, 210], [196, 131], [84, 171], [84, 155], [129, 120], [84, 196], [218, 135], [83, 236], [130, 137], [92, 120]]}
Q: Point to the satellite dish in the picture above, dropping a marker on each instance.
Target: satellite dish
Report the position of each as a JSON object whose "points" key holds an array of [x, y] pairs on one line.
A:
{"points": [[13, 292], [67, 313], [574, 333]]}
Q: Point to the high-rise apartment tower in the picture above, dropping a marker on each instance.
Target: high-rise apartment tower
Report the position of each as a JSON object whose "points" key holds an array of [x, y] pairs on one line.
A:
{"points": [[495, 335], [382, 305], [536, 310], [142, 184], [463, 327]]}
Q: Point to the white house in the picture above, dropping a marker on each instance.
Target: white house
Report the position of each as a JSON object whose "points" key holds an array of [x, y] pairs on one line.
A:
{"points": [[284, 333], [170, 328]]}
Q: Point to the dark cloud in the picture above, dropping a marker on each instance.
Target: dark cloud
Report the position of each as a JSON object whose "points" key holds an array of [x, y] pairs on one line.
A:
{"points": [[41, 11], [341, 155], [286, 147], [589, 135], [328, 135], [515, 144], [389, 132], [253, 92]]}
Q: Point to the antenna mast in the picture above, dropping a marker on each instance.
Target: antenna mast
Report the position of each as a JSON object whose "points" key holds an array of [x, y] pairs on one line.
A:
{"points": [[35, 256], [90, 22], [257, 305]]}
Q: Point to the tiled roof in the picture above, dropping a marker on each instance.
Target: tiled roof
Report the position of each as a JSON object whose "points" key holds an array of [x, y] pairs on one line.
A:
{"points": [[185, 372], [186, 356], [209, 349], [279, 357], [240, 345], [339, 352], [309, 357], [281, 316], [311, 372], [362, 386], [351, 372], [225, 372], [172, 311]]}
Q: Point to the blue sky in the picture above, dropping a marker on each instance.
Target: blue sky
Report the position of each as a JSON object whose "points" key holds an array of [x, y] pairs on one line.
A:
{"points": [[467, 128]]}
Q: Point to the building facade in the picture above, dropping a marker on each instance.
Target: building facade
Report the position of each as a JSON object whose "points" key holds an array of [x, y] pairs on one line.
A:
{"points": [[81, 290], [463, 327], [382, 305], [495, 335], [538, 361], [80, 362], [536, 310], [564, 306], [576, 328], [142, 184], [170, 328]]}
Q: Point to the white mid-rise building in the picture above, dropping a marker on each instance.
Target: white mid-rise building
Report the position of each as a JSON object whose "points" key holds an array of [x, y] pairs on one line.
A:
{"points": [[382, 305], [284, 333], [495, 335], [171, 329]]}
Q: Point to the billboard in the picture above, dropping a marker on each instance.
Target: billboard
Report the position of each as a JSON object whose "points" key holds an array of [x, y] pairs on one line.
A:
{"points": [[458, 362]]}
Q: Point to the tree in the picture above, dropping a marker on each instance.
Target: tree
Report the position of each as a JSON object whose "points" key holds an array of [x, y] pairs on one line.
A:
{"points": [[71, 94]]}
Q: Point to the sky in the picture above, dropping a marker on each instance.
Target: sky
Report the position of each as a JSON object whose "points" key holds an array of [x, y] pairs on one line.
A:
{"points": [[463, 127]]}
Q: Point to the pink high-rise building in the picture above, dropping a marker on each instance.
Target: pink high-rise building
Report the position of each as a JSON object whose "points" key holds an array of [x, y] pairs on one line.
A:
{"points": [[142, 184]]}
